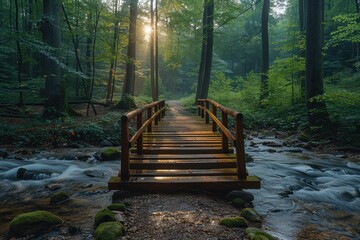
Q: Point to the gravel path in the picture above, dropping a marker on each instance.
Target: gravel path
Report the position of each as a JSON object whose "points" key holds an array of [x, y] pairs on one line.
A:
{"points": [[179, 216]]}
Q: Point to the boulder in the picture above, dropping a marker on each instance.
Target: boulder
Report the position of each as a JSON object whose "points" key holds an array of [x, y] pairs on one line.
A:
{"points": [[109, 231], [239, 203], [251, 215], [255, 233], [33, 223], [117, 207], [234, 222], [104, 215], [109, 154], [25, 174], [245, 196]]}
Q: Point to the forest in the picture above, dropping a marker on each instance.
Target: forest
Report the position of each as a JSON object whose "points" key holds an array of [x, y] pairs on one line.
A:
{"points": [[275, 61]]}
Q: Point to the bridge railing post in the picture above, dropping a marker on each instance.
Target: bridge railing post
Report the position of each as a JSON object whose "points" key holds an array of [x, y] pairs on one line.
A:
{"points": [[139, 143], [163, 106], [207, 115], [149, 115], [202, 110], [225, 140], [239, 147], [125, 148], [214, 111], [157, 117], [199, 110]]}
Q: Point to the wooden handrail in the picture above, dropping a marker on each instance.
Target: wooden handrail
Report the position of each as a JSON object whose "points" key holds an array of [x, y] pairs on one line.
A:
{"points": [[237, 140], [127, 142]]}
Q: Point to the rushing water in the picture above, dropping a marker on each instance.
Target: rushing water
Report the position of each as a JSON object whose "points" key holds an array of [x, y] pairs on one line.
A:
{"points": [[301, 191]]}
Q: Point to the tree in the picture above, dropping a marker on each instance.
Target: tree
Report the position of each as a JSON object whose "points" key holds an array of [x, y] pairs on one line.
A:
{"points": [[264, 86], [55, 87], [207, 50], [316, 106], [126, 101]]}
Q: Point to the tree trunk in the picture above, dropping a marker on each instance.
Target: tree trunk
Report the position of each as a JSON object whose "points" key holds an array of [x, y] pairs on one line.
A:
{"points": [[264, 86], [152, 53], [54, 85], [114, 53], [203, 54], [19, 53], [156, 50], [302, 28], [316, 107], [127, 101], [209, 49], [206, 51]]}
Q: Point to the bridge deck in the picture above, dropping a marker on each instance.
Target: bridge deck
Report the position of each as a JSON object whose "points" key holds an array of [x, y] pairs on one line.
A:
{"points": [[182, 153]]}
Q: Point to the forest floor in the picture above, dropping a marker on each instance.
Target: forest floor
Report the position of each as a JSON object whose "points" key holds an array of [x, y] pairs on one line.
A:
{"points": [[152, 216]]}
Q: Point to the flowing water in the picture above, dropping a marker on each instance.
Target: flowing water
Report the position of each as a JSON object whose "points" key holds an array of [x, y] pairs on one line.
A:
{"points": [[302, 192]]}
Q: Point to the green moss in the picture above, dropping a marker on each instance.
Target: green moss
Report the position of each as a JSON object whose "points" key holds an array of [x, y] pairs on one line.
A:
{"points": [[104, 215], [109, 231], [239, 203], [234, 222], [117, 207], [109, 154], [251, 215], [252, 232], [33, 223], [59, 198]]}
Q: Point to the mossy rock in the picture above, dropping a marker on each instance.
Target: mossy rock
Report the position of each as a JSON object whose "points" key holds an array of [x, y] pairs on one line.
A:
{"points": [[117, 207], [239, 203], [109, 231], [234, 222], [59, 198], [104, 215], [109, 154], [33, 223], [256, 233], [250, 215]]}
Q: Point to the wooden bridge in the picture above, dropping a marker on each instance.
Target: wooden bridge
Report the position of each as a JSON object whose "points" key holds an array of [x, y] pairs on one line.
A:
{"points": [[177, 151]]}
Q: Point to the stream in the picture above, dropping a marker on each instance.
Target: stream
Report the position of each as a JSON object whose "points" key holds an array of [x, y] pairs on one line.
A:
{"points": [[304, 195]]}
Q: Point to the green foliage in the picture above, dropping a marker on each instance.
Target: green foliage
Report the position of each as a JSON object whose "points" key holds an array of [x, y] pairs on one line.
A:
{"points": [[347, 31], [117, 207]]}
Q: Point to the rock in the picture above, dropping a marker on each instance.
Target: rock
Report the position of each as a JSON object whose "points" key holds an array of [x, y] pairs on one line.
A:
{"points": [[234, 222], [74, 230], [109, 154], [94, 173], [25, 174], [109, 231], [248, 158], [33, 223], [83, 157], [271, 150], [253, 232], [59, 198], [119, 217], [68, 157], [251, 215], [346, 196], [104, 215], [245, 196], [117, 207], [272, 144], [106, 143], [53, 187], [238, 203]]}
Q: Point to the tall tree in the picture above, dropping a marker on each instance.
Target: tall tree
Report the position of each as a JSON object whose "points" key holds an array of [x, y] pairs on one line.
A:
{"points": [[207, 50], [152, 53], [302, 28], [127, 101], [114, 52], [55, 87], [264, 86], [316, 106]]}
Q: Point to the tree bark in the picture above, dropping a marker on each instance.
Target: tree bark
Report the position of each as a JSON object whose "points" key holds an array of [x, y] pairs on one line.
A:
{"points": [[19, 53], [156, 50], [126, 101], [54, 84], [206, 51], [302, 28], [316, 106], [264, 86], [114, 53], [152, 53]]}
